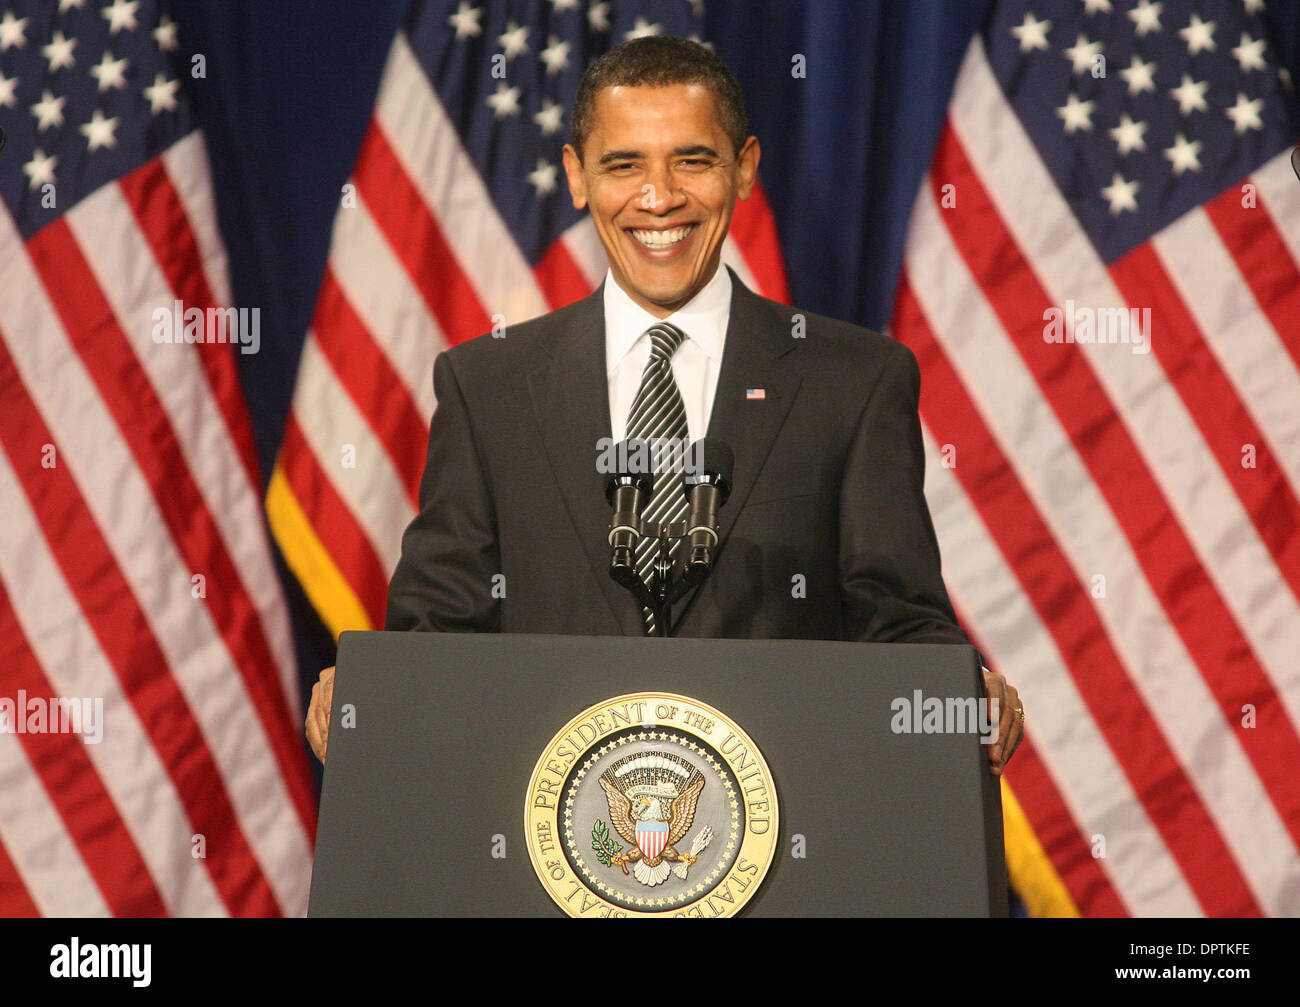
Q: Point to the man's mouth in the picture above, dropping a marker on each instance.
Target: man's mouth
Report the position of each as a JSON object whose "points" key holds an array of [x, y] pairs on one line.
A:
{"points": [[662, 238]]}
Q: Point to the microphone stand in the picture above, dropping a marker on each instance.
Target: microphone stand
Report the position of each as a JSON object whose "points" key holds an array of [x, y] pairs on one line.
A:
{"points": [[707, 490], [664, 591], [663, 586]]}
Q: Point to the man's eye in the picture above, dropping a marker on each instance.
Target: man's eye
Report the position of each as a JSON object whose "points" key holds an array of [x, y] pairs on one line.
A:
{"points": [[695, 163], [624, 167]]}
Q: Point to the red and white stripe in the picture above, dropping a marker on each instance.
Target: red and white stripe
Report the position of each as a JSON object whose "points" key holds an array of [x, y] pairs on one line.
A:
{"points": [[155, 481], [1074, 462], [420, 260]]}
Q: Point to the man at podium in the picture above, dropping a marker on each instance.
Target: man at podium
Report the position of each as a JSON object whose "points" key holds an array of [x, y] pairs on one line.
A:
{"points": [[826, 534]]}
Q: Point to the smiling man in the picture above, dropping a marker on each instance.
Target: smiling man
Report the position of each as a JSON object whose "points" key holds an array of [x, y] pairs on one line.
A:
{"points": [[826, 534], [660, 163]]}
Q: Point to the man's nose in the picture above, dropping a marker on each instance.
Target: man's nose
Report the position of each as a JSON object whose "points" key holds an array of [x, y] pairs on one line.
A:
{"points": [[660, 194]]}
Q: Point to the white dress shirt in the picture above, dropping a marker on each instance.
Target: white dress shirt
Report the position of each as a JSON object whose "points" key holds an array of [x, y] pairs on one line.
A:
{"points": [[695, 364]]}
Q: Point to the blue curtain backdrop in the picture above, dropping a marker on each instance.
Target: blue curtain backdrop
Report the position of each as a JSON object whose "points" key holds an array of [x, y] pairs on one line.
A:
{"points": [[290, 85]]}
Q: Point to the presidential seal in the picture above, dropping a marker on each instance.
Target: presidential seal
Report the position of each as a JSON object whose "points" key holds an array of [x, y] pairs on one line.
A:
{"points": [[651, 804]]}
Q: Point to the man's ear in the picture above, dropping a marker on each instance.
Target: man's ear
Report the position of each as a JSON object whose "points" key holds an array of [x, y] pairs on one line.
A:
{"points": [[577, 183], [747, 163]]}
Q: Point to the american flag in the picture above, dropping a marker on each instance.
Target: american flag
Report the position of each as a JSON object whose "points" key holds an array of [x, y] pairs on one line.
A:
{"points": [[456, 221], [1118, 502], [135, 568]]}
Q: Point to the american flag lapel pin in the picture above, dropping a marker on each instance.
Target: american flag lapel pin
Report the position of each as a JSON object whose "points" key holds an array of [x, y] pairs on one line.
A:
{"points": [[755, 393]]}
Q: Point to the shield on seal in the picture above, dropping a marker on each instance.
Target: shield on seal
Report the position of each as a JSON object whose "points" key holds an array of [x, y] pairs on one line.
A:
{"points": [[652, 837]]}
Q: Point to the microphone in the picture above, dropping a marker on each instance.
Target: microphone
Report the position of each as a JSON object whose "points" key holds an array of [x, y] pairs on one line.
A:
{"points": [[707, 485], [627, 491]]}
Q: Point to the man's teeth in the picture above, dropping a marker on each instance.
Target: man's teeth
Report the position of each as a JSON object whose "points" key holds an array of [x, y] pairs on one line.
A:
{"points": [[662, 239]]}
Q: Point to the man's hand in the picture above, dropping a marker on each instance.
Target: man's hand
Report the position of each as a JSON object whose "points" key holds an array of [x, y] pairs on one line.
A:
{"points": [[1011, 720], [318, 713]]}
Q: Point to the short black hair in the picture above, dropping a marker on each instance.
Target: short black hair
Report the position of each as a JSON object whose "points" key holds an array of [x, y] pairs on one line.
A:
{"points": [[660, 61]]}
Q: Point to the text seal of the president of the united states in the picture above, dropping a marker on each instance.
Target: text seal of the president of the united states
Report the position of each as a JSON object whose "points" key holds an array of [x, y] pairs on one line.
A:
{"points": [[651, 804]]}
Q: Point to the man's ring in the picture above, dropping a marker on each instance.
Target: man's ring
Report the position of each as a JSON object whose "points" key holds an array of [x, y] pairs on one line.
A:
{"points": [[1020, 712]]}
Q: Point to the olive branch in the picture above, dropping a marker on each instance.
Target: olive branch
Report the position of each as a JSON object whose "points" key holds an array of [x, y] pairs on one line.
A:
{"points": [[600, 842]]}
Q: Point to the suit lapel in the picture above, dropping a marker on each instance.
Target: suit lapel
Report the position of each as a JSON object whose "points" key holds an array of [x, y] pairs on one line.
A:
{"points": [[757, 338], [570, 397]]}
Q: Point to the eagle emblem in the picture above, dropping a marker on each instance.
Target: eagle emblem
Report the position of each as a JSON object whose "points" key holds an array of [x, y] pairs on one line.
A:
{"points": [[652, 798]]}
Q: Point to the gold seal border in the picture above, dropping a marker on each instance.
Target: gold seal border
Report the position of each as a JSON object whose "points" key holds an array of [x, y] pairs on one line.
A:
{"points": [[570, 891]]}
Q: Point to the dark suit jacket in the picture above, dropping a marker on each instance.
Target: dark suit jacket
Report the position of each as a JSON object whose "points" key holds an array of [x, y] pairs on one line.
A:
{"points": [[826, 534]]}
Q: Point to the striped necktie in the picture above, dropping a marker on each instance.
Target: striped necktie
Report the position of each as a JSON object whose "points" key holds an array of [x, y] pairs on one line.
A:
{"points": [[657, 413]]}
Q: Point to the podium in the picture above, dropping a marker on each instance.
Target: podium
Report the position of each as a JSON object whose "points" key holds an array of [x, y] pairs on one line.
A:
{"points": [[886, 804]]}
